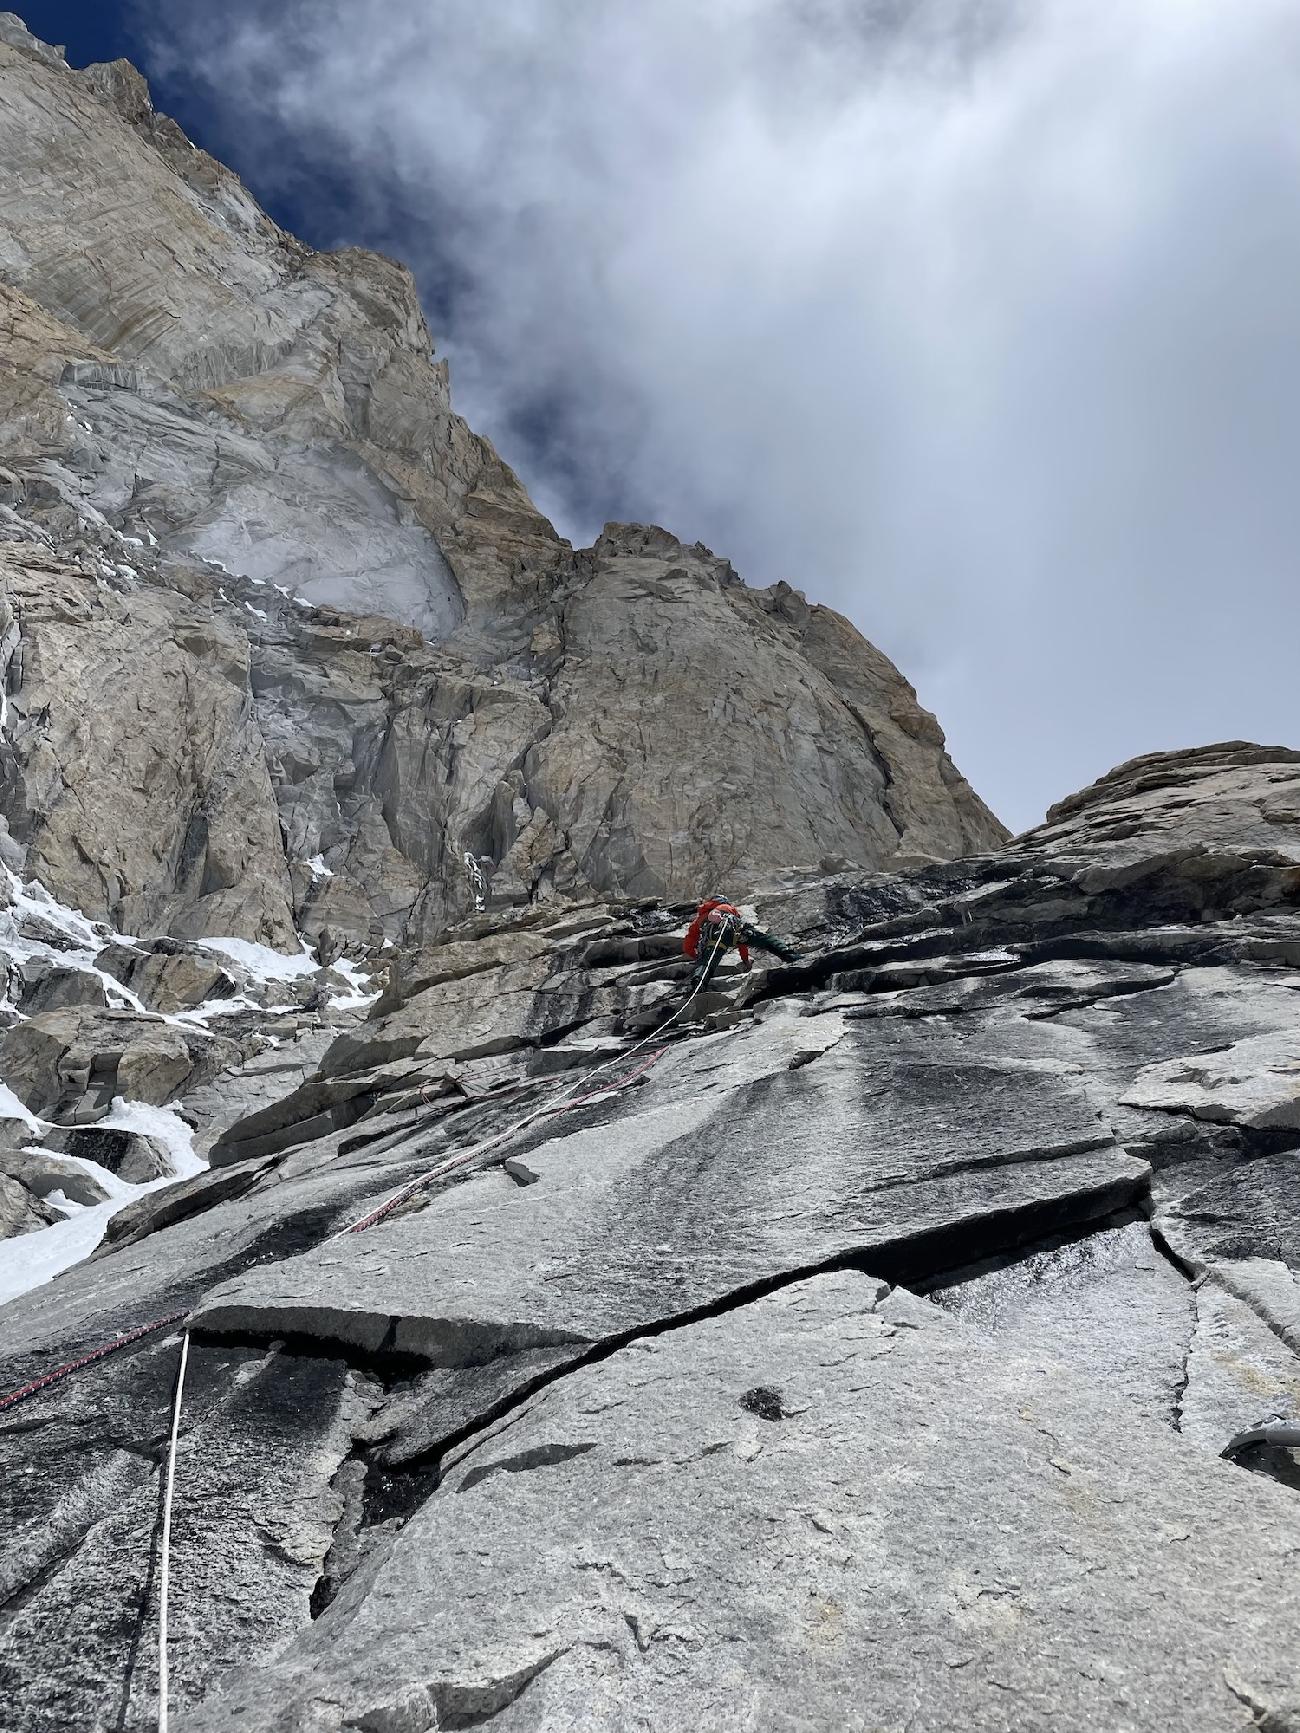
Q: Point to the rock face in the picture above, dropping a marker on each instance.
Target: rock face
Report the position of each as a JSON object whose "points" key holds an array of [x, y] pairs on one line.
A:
{"points": [[852, 1346], [265, 600], [857, 1351]]}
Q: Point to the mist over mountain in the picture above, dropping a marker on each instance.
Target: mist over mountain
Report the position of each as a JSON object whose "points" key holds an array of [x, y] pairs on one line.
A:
{"points": [[559, 1167]]}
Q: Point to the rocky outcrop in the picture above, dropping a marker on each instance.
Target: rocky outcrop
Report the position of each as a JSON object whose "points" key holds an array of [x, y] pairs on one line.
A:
{"points": [[266, 601], [851, 1345], [890, 1311]]}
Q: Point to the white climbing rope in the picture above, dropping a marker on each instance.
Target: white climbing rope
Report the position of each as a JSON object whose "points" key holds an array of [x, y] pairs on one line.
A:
{"points": [[165, 1553], [450, 1164], [442, 1168]]}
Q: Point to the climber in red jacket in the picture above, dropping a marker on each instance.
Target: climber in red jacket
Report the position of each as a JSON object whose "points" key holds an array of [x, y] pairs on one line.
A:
{"points": [[719, 927]]}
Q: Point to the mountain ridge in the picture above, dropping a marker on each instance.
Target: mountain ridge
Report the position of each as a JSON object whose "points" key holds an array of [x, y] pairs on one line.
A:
{"points": [[513, 1331]]}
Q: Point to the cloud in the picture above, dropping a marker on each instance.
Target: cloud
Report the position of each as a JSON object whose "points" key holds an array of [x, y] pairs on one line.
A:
{"points": [[977, 321]]}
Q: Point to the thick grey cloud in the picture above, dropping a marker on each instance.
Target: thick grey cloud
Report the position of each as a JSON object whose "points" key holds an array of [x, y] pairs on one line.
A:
{"points": [[976, 321]]}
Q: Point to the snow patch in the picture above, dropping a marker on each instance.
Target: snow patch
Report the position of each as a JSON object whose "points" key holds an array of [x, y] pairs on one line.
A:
{"points": [[358, 980], [201, 1014], [12, 1108], [261, 961], [316, 865], [85, 938], [30, 1260], [162, 1123]]}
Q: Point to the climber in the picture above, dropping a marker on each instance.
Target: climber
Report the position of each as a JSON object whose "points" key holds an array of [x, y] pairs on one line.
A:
{"points": [[719, 927]]}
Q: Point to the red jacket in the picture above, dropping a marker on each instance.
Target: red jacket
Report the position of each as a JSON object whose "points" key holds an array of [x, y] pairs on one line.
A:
{"points": [[691, 943]]}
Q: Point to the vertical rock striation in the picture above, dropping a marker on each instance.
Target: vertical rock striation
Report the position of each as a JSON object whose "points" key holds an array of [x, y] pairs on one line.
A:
{"points": [[354, 626]]}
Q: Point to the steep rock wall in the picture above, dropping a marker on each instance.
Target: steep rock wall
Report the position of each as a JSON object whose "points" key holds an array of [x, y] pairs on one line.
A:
{"points": [[194, 403]]}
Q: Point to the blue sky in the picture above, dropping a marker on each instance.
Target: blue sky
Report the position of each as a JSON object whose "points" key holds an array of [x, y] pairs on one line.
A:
{"points": [[973, 319], [311, 204]]}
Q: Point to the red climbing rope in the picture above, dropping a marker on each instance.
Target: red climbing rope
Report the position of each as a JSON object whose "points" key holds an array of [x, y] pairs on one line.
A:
{"points": [[609, 1088], [443, 1168], [439, 1171], [357, 1227], [21, 1395]]}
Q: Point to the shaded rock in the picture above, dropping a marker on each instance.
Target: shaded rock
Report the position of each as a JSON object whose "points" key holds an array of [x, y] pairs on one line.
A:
{"points": [[46, 987], [159, 1209], [129, 1154], [42, 1173], [275, 1488], [22, 1211]]}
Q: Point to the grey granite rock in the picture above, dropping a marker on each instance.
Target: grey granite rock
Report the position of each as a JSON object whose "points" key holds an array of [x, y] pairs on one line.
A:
{"points": [[818, 1510], [610, 1422], [43, 1173], [1253, 1083], [235, 462], [71, 1064], [975, 1138], [22, 1210], [128, 1154]]}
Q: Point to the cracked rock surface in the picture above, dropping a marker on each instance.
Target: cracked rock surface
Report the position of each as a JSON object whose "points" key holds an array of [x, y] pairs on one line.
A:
{"points": [[283, 639], [851, 1346], [917, 1529], [856, 1351]]}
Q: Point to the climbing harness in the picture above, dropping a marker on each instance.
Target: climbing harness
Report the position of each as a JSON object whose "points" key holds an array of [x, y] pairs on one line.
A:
{"points": [[165, 1550], [727, 931], [477, 883]]}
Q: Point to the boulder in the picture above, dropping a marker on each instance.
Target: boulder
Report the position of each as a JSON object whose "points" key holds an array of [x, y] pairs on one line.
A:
{"points": [[129, 1154], [43, 1173], [22, 1211], [47, 987], [70, 1064], [168, 976]]}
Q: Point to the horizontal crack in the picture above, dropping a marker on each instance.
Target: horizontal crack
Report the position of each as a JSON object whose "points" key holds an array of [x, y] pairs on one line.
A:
{"points": [[906, 1262]]}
